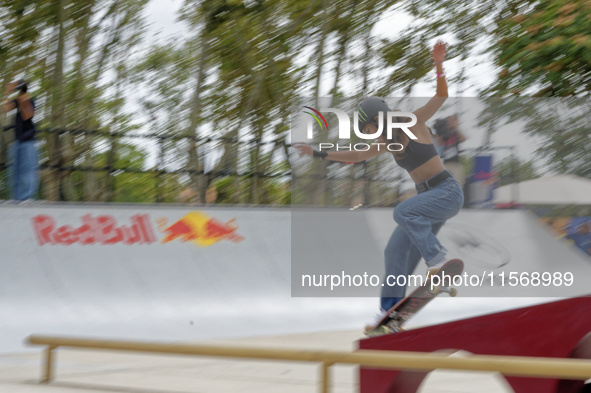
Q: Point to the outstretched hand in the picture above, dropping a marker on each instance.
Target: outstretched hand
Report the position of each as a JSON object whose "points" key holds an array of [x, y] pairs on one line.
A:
{"points": [[303, 149], [439, 52]]}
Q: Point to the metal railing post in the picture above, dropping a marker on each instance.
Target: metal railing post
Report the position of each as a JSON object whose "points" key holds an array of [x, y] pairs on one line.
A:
{"points": [[49, 364], [325, 381]]}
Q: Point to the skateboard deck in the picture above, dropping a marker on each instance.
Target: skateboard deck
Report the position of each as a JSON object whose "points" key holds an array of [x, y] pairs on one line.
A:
{"points": [[412, 304]]}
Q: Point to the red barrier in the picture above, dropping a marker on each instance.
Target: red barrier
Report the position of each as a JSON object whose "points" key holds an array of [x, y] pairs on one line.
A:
{"points": [[556, 329]]}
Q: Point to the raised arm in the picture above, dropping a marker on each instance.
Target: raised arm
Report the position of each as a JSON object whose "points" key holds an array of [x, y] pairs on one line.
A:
{"points": [[425, 112], [7, 106], [26, 106]]}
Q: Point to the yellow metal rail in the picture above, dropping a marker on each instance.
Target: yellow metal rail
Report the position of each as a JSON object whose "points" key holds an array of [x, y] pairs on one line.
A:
{"points": [[507, 365]]}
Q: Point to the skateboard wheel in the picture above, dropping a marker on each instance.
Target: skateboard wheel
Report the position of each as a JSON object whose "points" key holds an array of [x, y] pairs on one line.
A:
{"points": [[384, 329], [434, 291], [453, 292]]}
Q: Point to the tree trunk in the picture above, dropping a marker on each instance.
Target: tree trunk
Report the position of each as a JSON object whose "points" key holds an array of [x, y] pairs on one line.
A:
{"points": [[366, 68], [319, 196], [4, 136], [57, 119], [199, 180], [89, 190]]}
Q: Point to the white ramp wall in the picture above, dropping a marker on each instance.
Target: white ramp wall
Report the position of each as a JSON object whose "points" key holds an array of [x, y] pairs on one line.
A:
{"points": [[182, 273], [153, 272]]}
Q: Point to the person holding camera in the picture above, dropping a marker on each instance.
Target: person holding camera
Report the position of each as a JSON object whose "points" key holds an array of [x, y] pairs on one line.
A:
{"points": [[23, 152], [449, 138]]}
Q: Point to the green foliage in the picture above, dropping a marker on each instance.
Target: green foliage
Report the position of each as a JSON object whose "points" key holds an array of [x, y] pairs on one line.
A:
{"points": [[226, 189], [560, 127], [513, 170], [242, 66], [4, 186], [545, 50], [540, 49]]}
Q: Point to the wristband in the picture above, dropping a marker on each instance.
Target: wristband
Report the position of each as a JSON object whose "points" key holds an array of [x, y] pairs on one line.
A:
{"points": [[321, 154], [441, 75]]}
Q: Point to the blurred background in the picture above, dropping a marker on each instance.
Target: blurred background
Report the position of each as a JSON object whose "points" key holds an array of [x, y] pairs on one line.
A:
{"points": [[193, 101]]}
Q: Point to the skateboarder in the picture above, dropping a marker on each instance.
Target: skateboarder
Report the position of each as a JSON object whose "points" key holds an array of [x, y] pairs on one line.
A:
{"points": [[439, 196]]}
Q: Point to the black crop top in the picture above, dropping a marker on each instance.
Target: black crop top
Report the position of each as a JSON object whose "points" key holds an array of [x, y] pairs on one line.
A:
{"points": [[415, 155]]}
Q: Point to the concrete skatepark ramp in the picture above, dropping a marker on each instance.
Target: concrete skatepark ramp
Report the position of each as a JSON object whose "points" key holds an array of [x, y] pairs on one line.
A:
{"points": [[185, 273], [147, 272]]}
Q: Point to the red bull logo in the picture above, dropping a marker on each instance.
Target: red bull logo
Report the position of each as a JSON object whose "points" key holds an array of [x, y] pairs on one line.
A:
{"points": [[196, 227], [200, 229], [102, 229]]}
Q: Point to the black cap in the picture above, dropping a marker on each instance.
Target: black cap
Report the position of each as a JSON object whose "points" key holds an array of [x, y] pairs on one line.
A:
{"points": [[369, 108]]}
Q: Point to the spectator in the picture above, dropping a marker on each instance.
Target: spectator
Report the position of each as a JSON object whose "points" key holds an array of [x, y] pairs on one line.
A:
{"points": [[23, 152], [448, 140]]}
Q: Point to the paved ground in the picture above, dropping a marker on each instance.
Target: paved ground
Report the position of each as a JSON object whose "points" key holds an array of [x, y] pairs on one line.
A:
{"points": [[96, 371]]}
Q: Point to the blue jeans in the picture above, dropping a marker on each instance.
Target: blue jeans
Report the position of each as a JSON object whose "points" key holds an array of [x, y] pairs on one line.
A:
{"points": [[24, 170], [419, 220]]}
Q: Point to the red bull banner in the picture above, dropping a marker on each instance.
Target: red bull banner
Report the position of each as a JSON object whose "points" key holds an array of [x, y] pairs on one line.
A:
{"points": [[102, 229], [195, 227], [200, 229], [482, 182]]}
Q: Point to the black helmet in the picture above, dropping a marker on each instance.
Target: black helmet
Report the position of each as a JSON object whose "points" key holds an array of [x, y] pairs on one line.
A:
{"points": [[370, 108]]}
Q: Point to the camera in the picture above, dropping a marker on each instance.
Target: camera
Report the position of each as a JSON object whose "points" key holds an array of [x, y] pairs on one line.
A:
{"points": [[21, 84], [442, 129]]}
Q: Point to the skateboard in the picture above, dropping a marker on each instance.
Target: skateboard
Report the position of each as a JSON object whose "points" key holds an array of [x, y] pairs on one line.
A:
{"points": [[412, 304]]}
